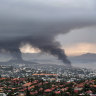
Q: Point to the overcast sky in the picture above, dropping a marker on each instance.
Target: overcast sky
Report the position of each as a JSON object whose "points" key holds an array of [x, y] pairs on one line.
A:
{"points": [[23, 18], [82, 41]]}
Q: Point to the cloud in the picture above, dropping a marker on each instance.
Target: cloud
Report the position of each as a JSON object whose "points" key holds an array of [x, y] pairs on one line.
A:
{"points": [[84, 34], [27, 48], [80, 48]]}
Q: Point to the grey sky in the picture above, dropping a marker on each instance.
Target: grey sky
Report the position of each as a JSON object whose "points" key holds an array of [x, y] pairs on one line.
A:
{"points": [[18, 11], [83, 35]]}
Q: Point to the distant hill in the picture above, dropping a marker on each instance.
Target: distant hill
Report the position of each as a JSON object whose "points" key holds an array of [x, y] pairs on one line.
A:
{"points": [[6, 58], [84, 58], [28, 58], [46, 58]]}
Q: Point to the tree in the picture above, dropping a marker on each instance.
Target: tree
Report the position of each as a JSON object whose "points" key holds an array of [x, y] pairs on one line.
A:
{"points": [[27, 92]]}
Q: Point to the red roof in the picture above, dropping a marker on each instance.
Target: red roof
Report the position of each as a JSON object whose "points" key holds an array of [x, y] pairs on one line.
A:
{"points": [[45, 82], [48, 90], [39, 84], [32, 93], [22, 90], [64, 89], [2, 78], [15, 79], [76, 91], [89, 92], [27, 84], [40, 89], [57, 92], [94, 86], [30, 87]]}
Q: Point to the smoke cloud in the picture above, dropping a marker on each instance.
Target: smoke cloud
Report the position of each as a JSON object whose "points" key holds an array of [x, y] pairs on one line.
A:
{"points": [[38, 24]]}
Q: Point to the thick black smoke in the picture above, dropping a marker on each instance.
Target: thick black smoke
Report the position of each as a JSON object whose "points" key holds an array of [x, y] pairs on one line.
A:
{"points": [[30, 22], [50, 46], [39, 35]]}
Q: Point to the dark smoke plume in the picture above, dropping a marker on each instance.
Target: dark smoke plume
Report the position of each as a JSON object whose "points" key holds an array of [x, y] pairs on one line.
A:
{"points": [[30, 22], [51, 47], [40, 35]]}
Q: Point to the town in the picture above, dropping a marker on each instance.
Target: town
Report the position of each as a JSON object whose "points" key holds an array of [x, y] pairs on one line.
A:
{"points": [[46, 80], [62, 73], [37, 87]]}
